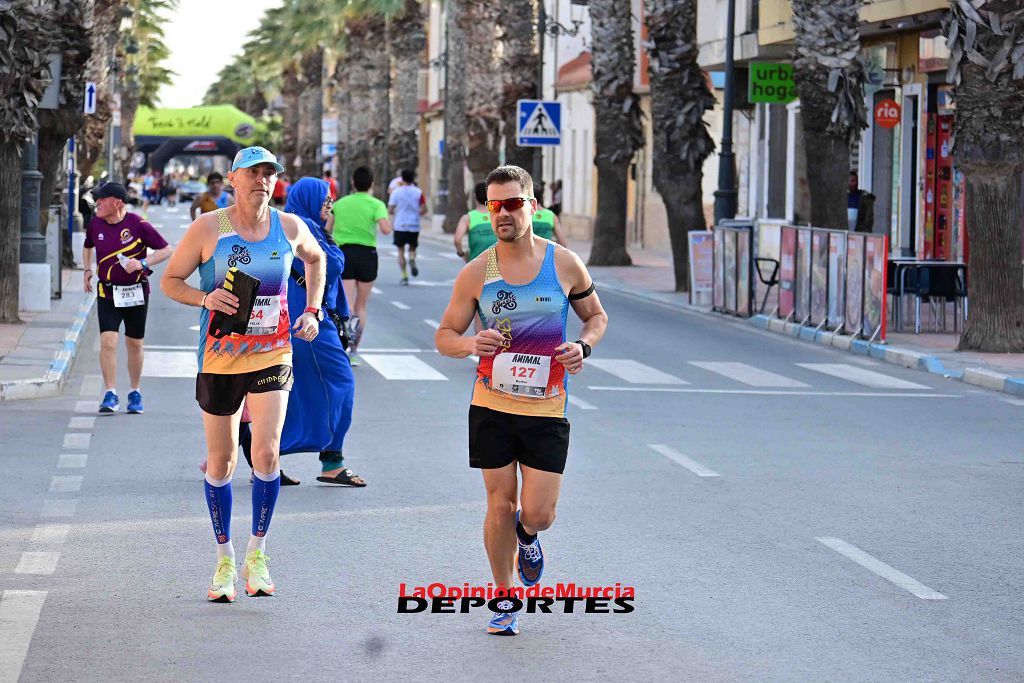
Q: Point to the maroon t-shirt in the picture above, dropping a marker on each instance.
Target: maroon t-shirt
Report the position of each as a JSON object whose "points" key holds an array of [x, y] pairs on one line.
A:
{"points": [[132, 237]]}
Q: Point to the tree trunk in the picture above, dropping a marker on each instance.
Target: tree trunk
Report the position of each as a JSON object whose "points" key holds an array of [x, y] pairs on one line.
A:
{"points": [[342, 103], [609, 244], [483, 124], [311, 114], [379, 57], [519, 70], [685, 209], [129, 105], [455, 116], [10, 222], [409, 40], [291, 89]]}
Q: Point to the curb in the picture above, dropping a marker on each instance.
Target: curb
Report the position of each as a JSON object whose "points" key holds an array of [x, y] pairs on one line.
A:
{"points": [[52, 382], [914, 360]]}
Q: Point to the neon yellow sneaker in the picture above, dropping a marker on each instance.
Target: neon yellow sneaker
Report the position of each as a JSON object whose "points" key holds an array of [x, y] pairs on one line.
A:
{"points": [[257, 576], [222, 587]]}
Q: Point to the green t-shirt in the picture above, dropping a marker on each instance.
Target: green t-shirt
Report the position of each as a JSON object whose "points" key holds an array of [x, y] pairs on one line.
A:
{"points": [[355, 219], [544, 224], [481, 235]]}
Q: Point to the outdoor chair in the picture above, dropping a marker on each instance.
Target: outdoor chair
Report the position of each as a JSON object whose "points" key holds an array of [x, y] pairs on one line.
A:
{"points": [[937, 287]]}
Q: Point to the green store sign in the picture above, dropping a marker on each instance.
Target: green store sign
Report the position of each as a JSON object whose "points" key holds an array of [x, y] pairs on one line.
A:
{"points": [[221, 120], [771, 83]]}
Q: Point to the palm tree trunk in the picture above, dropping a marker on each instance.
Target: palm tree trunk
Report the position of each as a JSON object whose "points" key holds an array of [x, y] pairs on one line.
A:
{"points": [[311, 113], [359, 112], [455, 116], [103, 36], [342, 103], [519, 70], [10, 218], [409, 40], [618, 131], [129, 106], [483, 113], [379, 56], [829, 79], [291, 89]]}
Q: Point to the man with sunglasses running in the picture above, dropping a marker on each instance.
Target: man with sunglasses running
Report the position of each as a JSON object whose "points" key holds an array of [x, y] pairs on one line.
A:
{"points": [[522, 289]]}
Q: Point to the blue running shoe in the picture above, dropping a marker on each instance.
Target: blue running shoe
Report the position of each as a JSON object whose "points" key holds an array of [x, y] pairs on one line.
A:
{"points": [[135, 403], [529, 559], [504, 623], [110, 403]]}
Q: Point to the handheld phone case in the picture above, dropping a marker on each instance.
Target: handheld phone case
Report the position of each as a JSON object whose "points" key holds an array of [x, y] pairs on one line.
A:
{"points": [[245, 287]]}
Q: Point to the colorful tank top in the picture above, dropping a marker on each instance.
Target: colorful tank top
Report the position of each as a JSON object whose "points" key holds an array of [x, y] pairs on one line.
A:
{"points": [[524, 378], [481, 235], [266, 342], [544, 224]]}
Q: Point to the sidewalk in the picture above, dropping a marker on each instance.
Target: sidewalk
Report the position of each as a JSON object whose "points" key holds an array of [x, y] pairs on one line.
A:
{"points": [[36, 355], [651, 277]]}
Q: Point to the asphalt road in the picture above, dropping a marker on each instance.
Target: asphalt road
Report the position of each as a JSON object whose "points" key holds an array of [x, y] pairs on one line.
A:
{"points": [[784, 512]]}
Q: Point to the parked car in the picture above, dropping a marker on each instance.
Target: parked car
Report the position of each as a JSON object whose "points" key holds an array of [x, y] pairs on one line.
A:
{"points": [[190, 189]]}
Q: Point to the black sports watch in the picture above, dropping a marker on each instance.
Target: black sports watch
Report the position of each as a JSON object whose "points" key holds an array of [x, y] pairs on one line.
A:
{"points": [[585, 346]]}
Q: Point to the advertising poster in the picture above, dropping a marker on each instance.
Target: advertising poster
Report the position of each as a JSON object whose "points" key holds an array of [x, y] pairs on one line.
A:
{"points": [[767, 246], [874, 286], [719, 294], [787, 272], [702, 250], [836, 280], [854, 282], [803, 274], [819, 276], [743, 272], [729, 264]]}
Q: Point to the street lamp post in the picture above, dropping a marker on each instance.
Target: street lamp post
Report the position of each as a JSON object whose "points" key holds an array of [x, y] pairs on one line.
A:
{"points": [[441, 62], [725, 195]]}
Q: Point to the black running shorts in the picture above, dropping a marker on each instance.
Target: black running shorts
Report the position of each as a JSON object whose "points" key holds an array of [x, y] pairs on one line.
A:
{"points": [[133, 317], [219, 394], [497, 439], [403, 237], [360, 263]]}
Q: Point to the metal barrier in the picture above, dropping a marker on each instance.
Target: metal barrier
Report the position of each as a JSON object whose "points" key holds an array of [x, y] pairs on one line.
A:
{"points": [[733, 267]]}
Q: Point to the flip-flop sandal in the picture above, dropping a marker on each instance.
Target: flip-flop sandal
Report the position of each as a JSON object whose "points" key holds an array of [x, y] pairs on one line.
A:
{"points": [[344, 478], [288, 481]]}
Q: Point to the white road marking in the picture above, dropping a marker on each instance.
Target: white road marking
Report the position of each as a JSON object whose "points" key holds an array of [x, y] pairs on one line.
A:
{"points": [[82, 423], [474, 359], [432, 323], [431, 283], [634, 372], [39, 563], [772, 392], [375, 290], [400, 306], [19, 613], [873, 564], [171, 364], [92, 385], [51, 533], [867, 378], [77, 440], [381, 349], [59, 508], [86, 406], [749, 375], [158, 347], [680, 459], [66, 483], [450, 256], [580, 403], [1014, 401], [194, 328], [402, 367], [72, 460]]}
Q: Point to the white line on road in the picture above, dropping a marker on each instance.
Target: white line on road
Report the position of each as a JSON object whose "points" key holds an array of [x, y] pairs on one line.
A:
{"points": [[39, 563], [77, 440], [194, 328], [51, 533], [680, 459], [85, 406], [580, 403], [634, 372], [82, 423], [59, 508], [749, 375], [867, 378], [873, 564], [400, 306], [66, 483], [72, 460], [432, 323], [19, 613], [182, 364], [92, 385], [376, 290], [770, 392], [371, 349], [450, 257], [1014, 401], [402, 367]]}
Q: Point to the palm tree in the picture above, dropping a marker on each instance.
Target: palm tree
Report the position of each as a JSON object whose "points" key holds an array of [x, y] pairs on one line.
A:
{"points": [[455, 114], [519, 72], [30, 37], [103, 20], [369, 103], [988, 69], [408, 40], [679, 97], [618, 133], [830, 82], [483, 110]]}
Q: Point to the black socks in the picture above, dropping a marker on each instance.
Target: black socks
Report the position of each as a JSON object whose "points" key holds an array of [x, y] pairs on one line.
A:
{"points": [[524, 538]]}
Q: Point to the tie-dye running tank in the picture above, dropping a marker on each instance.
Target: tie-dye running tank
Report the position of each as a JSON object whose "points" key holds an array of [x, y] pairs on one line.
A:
{"points": [[266, 342], [524, 378]]}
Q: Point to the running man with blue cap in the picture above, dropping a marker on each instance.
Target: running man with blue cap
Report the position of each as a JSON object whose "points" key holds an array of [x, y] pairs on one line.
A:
{"points": [[253, 366]]}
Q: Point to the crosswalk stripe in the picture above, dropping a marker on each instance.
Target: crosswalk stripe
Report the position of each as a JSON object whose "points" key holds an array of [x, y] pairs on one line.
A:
{"points": [[432, 323], [748, 374], [170, 364], [680, 459], [867, 378], [401, 367], [634, 372], [40, 563], [19, 614], [400, 306]]}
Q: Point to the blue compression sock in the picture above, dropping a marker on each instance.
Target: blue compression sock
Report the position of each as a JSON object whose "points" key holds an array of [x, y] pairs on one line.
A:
{"points": [[265, 488], [218, 499]]}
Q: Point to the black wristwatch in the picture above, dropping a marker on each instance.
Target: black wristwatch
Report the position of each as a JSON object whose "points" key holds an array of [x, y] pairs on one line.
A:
{"points": [[585, 346]]}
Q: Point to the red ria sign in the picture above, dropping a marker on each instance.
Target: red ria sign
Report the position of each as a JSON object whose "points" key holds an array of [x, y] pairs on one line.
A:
{"points": [[887, 113]]}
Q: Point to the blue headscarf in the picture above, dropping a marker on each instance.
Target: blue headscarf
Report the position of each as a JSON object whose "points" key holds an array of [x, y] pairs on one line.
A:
{"points": [[305, 199]]}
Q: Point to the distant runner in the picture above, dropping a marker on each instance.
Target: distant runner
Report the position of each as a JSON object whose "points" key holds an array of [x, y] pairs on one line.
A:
{"points": [[477, 225], [407, 204]]}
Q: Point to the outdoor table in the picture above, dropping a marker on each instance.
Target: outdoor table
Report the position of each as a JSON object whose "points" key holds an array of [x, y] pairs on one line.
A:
{"points": [[902, 267]]}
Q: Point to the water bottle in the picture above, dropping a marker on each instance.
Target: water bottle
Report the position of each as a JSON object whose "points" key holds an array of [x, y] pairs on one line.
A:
{"points": [[123, 260]]}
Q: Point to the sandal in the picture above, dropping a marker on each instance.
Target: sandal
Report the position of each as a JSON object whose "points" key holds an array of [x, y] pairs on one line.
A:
{"points": [[344, 478]]}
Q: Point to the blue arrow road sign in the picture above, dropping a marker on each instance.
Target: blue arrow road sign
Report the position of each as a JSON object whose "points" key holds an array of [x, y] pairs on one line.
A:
{"points": [[90, 97], [540, 123]]}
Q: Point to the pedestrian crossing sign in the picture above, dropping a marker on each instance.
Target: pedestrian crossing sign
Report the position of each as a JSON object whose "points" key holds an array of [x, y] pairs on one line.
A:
{"points": [[540, 123]]}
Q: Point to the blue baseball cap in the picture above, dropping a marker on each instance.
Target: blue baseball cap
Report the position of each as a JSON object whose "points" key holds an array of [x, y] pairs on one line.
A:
{"points": [[251, 156]]}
